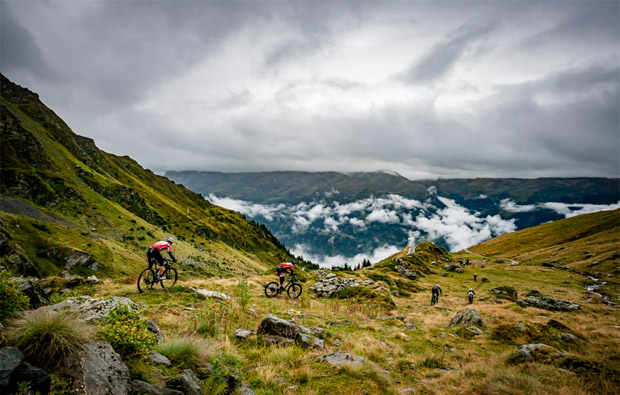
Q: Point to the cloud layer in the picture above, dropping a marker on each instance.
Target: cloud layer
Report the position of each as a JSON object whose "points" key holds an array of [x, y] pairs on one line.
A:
{"points": [[460, 89]]}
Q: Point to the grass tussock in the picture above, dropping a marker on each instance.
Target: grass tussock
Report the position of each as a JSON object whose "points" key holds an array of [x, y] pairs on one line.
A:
{"points": [[48, 338], [187, 352]]}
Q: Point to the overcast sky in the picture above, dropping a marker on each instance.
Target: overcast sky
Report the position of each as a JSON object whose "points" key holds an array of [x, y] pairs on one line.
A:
{"points": [[427, 89]]}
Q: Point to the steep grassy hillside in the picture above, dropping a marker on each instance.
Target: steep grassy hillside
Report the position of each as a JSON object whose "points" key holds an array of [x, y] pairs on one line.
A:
{"points": [[59, 194]]}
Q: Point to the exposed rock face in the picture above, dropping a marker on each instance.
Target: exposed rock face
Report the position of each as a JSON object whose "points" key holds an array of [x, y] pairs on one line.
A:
{"points": [[467, 317], [99, 370], [40, 381], [410, 274], [10, 359], [153, 327], [332, 284], [275, 330], [451, 267], [92, 309], [33, 290], [187, 382], [339, 358], [80, 258], [504, 292], [547, 303], [140, 387]]}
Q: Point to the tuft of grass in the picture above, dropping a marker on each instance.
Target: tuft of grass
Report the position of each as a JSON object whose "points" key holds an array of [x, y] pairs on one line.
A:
{"points": [[187, 352], [47, 338]]}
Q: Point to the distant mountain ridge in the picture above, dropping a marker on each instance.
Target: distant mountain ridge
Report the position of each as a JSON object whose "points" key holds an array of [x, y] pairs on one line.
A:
{"points": [[60, 196], [332, 214]]}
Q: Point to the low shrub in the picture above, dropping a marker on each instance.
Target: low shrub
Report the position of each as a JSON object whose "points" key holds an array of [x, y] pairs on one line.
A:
{"points": [[12, 299], [47, 338], [127, 333]]}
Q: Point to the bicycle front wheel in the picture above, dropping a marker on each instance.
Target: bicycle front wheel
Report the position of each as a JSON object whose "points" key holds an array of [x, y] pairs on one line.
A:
{"points": [[294, 291], [146, 280], [169, 278], [271, 289]]}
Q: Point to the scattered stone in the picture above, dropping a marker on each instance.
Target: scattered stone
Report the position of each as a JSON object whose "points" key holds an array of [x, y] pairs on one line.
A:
{"points": [[337, 343], [331, 275], [98, 369], [10, 359], [80, 258], [272, 340], [339, 358], [308, 341], [245, 389], [534, 352], [410, 274], [569, 338], [74, 281], [452, 267], [243, 333], [154, 328], [139, 387], [292, 388], [505, 292], [411, 326], [484, 280], [187, 382], [408, 391], [467, 317], [40, 381], [158, 359], [396, 317], [210, 294], [533, 292], [274, 325], [92, 279], [33, 290], [547, 303], [443, 335], [495, 300]]}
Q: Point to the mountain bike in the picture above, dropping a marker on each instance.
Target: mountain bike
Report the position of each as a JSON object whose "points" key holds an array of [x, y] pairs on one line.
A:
{"points": [[292, 288], [149, 277], [471, 297], [434, 299]]}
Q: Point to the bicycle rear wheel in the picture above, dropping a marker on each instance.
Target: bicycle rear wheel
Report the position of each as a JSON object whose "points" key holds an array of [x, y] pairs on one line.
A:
{"points": [[294, 291], [146, 280], [271, 289], [169, 278]]}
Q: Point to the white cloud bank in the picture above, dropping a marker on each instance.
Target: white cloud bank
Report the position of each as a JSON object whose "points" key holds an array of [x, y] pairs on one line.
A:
{"points": [[566, 209]]}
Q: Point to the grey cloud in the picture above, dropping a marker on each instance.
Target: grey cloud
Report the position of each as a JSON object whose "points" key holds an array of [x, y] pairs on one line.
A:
{"points": [[443, 55]]}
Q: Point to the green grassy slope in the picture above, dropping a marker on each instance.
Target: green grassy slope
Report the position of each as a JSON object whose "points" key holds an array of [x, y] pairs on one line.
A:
{"points": [[60, 193]]}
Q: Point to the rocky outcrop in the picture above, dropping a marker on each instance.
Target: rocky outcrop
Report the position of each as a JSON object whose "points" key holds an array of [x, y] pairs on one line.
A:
{"points": [[451, 267], [467, 317], [187, 382], [10, 359], [33, 290], [40, 381], [410, 274], [141, 387], [504, 292], [99, 370], [332, 284], [275, 330], [91, 309], [547, 303], [81, 259]]}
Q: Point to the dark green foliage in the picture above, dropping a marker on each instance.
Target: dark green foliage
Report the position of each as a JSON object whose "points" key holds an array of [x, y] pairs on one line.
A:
{"points": [[127, 333], [592, 370], [433, 363], [12, 299]]}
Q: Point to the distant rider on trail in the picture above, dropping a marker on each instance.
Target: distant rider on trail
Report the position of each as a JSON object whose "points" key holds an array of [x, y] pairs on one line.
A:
{"points": [[436, 291], [284, 267], [470, 295], [154, 253]]}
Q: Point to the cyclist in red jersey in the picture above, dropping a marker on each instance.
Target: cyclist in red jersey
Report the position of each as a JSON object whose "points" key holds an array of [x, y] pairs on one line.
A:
{"points": [[284, 267], [154, 253]]}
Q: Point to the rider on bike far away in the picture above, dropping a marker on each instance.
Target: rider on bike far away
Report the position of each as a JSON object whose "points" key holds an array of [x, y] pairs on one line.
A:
{"points": [[154, 253], [284, 267], [436, 291], [470, 295]]}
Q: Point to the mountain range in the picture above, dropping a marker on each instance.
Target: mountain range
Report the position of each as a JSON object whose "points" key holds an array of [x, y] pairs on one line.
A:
{"points": [[336, 218]]}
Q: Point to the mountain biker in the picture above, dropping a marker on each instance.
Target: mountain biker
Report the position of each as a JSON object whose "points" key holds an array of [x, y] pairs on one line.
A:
{"points": [[470, 295], [154, 253], [436, 291], [284, 267]]}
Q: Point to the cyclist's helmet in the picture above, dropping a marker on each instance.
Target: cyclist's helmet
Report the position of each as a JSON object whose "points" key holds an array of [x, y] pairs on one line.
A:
{"points": [[470, 290], [170, 240]]}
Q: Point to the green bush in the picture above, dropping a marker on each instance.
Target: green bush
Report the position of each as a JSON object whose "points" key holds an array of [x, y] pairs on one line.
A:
{"points": [[12, 299], [47, 338], [243, 293], [127, 333]]}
